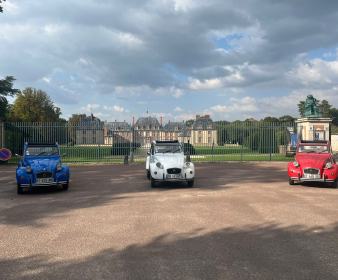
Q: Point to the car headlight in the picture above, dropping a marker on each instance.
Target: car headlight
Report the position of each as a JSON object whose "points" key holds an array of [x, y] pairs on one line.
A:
{"points": [[59, 167], [328, 165], [28, 169], [187, 164], [295, 163], [158, 164]]}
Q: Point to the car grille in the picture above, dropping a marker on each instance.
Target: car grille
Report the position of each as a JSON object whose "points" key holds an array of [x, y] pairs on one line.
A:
{"points": [[311, 171], [44, 175], [174, 171]]}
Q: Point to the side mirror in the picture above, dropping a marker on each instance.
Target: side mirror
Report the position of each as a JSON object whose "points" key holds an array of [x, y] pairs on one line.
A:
{"points": [[148, 153], [64, 155]]}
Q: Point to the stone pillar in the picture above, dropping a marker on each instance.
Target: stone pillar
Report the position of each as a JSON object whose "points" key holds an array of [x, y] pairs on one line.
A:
{"points": [[314, 128]]}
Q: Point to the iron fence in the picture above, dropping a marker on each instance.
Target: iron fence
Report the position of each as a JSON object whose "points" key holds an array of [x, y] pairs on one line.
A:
{"points": [[236, 141]]}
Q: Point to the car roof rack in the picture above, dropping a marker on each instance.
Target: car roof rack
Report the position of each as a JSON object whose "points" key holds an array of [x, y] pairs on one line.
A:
{"points": [[52, 143], [314, 142]]}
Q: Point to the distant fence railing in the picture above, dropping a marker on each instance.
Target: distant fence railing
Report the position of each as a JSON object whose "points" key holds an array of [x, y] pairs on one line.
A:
{"points": [[237, 141]]}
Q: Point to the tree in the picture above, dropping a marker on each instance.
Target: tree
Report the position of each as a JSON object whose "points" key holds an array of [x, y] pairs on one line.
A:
{"points": [[1, 10], [324, 108], [270, 119], [6, 89], [287, 118], [190, 122], [33, 105]]}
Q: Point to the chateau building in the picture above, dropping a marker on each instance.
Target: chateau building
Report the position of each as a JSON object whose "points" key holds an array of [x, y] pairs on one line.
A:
{"points": [[89, 131]]}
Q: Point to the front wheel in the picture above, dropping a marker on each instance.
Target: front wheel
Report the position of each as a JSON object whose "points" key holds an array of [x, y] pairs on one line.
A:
{"points": [[19, 189], [291, 182], [191, 183], [148, 174], [65, 186], [152, 182], [334, 184]]}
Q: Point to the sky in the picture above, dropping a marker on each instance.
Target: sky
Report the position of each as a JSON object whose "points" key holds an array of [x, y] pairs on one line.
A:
{"points": [[173, 58]]}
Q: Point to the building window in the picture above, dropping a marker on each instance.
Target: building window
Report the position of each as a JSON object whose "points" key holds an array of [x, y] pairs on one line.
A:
{"points": [[83, 140], [84, 132], [94, 140], [154, 134], [127, 134], [199, 133], [209, 133], [209, 140], [147, 134], [122, 134], [94, 132], [199, 140]]}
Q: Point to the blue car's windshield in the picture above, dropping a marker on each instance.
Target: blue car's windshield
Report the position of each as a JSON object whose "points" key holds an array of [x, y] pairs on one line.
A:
{"points": [[43, 150]]}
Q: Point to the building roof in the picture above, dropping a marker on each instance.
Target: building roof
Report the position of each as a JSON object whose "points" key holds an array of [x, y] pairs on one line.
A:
{"points": [[147, 121], [205, 122], [118, 126], [90, 122]]}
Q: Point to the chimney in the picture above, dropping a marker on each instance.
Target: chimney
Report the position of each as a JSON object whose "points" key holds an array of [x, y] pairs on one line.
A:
{"points": [[133, 121], [183, 121], [161, 120], [115, 120], [124, 120], [207, 116], [91, 116], [169, 121], [80, 118], [197, 117]]}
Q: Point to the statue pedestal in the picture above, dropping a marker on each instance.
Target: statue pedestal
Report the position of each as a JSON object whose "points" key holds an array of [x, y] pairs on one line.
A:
{"points": [[314, 128]]}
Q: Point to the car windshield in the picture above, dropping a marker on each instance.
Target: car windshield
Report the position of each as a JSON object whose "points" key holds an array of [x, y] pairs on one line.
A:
{"points": [[319, 149], [168, 148], [43, 150]]}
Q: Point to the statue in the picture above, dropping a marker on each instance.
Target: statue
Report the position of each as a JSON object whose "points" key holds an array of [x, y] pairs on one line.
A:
{"points": [[311, 109]]}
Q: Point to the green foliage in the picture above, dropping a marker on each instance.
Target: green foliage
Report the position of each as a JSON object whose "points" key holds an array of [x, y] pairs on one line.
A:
{"points": [[252, 141], [189, 148], [281, 138], [287, 119], [267, 141], [190, 122], [1, 10], [123, 149], [270, 119], [6, 89], [33, 105]]}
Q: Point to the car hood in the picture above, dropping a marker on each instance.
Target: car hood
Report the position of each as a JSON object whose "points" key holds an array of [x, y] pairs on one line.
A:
{"points": [[170, 161], [42, 164], [316, 161]]}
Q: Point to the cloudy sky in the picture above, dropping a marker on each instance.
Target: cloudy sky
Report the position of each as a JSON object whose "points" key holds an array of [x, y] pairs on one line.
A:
{"points": [[173, 58]]}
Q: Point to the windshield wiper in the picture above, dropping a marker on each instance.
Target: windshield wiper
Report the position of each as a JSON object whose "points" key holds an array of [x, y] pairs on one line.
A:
{"points": [[39, 153], [167, 151], [53, 153]]}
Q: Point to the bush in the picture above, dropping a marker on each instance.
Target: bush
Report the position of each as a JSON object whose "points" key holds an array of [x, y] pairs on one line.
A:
{"points": [[189, 148], [252, 141], [123, 149], [70, 144], [267, 142]]}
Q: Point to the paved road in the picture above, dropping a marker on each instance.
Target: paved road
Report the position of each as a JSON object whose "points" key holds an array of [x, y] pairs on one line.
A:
{"points": [[240, 221]]}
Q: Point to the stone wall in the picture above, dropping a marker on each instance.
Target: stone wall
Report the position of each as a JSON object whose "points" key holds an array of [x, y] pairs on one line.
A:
{"points": [[334, 142]]}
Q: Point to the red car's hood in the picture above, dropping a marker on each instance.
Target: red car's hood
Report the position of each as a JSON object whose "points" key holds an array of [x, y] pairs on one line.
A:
{"points": [[315, 161]]}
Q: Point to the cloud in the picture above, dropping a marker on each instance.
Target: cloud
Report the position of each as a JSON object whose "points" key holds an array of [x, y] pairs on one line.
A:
{"points": [[178, 109], [90, 107], [115, 108]]}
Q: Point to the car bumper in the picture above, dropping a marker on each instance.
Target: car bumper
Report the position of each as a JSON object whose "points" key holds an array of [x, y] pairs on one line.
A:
{"points": [[312, 179], [31, 185]]}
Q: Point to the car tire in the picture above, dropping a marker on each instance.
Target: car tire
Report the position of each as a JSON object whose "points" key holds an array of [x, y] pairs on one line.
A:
{"points": [[19, 189], [152, 182], [148, 174], [334, 184], [191, 183], [291, 182], [65, 186]]}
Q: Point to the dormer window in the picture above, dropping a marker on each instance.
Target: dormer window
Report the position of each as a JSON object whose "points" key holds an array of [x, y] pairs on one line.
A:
{"points": [[200, 126]]}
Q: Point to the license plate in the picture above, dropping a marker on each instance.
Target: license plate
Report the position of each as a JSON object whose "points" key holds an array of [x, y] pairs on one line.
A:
{"points": [[50, 180], [172, 176], [312, 176]]}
